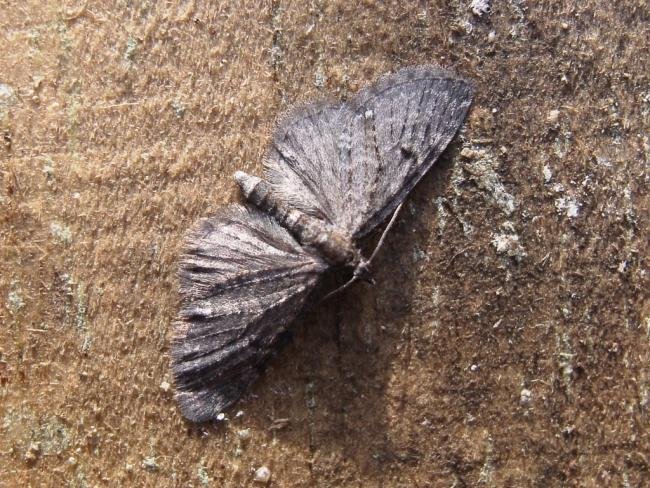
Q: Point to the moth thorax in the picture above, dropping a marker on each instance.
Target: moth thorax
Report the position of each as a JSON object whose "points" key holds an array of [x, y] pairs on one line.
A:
{"points": [[336, 248]]}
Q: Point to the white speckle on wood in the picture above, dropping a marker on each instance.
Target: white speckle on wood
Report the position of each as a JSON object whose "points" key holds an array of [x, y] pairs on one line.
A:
{"points": [[15, 301], [480, 7], [507, 243], [262, 475], [61, 232], [244, 434], [553, 116], [149, 463], [525, 396], [482, 169], [568, 206]]}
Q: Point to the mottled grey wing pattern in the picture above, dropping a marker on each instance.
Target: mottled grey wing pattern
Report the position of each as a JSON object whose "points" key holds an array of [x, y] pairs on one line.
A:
{"points": [[409, 118], [353, 164], [310, 159], [244, 278]]}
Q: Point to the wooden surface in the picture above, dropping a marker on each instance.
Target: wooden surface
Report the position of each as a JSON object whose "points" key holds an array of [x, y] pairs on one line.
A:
{"points": [[507, 341]]}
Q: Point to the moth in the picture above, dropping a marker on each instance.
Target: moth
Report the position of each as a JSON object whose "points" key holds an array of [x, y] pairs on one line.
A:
{"points": [[334, 171]]}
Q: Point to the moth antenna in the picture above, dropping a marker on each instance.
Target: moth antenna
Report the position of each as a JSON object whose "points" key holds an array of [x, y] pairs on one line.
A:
{"points": [[393, 219], [339, 289]]}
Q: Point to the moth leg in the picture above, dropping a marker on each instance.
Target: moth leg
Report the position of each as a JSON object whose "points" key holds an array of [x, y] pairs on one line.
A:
{"points": [[366, 264]]}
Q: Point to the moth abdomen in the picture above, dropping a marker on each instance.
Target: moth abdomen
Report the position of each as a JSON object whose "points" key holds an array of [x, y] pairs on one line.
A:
{"points": [[258, 192]]}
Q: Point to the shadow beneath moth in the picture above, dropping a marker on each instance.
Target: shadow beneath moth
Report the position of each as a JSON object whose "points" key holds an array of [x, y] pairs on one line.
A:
{"points": [[333, 173]]}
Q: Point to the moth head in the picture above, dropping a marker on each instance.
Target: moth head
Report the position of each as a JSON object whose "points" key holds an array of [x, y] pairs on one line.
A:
{"points": [[362, 272]]}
